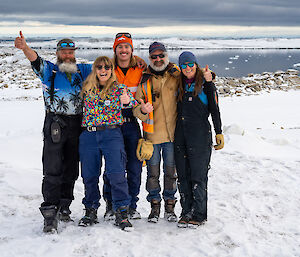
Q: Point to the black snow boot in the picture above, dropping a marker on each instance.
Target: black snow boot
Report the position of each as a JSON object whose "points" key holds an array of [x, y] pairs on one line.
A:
{"points": [[89, 218], [109, 212], [122, 219], [184, 220], [64, 214], [196, 221], [155, 211], [133, 214], [169, 210], [50, 218]]}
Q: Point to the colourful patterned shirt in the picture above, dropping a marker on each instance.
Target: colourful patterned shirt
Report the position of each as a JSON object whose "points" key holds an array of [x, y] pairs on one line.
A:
{"points": [[99, 112]]}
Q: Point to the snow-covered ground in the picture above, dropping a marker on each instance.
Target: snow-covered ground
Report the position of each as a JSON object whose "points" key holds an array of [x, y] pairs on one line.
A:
{"points": [[254, 192], [254, 182]]}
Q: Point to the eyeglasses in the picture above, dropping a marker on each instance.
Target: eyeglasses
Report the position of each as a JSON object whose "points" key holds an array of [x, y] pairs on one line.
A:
{"points": [[106, 67], [71, 44], [154, 56], [123, 34], [190, 64]]}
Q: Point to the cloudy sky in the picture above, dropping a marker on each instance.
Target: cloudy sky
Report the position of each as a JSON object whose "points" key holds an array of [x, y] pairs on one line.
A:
{"points": [[157, 17]]}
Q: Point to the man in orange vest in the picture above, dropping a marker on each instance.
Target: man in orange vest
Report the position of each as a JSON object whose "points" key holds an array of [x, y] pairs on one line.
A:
{"points": [[129, 73]]}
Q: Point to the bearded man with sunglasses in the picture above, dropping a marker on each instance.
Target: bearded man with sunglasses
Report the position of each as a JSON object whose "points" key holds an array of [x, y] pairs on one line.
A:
{"points": [[157, 94], [128, 72], [62, 83]]}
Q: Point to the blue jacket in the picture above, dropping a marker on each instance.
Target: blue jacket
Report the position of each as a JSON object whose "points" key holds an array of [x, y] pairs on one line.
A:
{"points": [[65, 98]]}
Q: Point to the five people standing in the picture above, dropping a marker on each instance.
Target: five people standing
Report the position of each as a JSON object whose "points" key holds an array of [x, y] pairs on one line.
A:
{"points": [[110, 129]]}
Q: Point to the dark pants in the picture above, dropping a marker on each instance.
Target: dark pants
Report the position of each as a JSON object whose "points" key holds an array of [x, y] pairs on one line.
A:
{"points": [[192, 158], [94, 145], [131, 134], [60, 161]]}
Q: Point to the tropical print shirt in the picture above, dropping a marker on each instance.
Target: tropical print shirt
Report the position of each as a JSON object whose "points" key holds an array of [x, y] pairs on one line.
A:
{"points": [[107, 111], [65, 96]]}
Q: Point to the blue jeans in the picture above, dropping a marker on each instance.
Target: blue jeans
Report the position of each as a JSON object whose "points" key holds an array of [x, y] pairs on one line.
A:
{"points": [[131, 134], [92, 146], [153, 174]]}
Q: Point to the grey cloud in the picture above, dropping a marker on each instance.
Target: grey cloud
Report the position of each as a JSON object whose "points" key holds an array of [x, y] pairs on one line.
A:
{"points": [[155, 13]]}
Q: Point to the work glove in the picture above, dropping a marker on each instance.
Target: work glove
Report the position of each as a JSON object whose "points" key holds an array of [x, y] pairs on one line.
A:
{"points": [[146, 150], [219, 141]]}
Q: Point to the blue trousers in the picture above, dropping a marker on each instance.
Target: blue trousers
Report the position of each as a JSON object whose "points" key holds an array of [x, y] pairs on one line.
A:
{"points": [[131, 134], [92, 146], [153, 173]]}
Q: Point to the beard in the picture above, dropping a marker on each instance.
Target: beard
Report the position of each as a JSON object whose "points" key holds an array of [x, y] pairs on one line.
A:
{"points": [[164, 63], [68, 67]]}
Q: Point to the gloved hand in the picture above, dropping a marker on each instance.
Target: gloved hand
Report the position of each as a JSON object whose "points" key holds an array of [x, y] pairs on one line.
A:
{"points": [[138, 149], [146, 150], [219, 141]]}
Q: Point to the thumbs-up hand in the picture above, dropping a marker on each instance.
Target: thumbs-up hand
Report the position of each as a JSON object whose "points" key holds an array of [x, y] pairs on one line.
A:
{"points": [[20, 42], [146, 107], [124, 98], [207, 74]]}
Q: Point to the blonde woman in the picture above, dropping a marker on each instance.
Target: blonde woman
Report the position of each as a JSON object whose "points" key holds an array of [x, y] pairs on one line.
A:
{"points": [[103, 100]]}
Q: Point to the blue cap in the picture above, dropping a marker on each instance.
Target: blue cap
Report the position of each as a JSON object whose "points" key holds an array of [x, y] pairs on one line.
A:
{"points": [[186, 57], [157, 46]]}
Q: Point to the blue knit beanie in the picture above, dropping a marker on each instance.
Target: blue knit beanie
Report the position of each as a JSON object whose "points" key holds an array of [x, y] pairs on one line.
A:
{"points": [[186, 57]]}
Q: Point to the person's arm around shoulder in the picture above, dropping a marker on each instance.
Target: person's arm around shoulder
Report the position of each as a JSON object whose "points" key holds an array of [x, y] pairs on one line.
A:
{"points": [[140, 62], [20, 43]]}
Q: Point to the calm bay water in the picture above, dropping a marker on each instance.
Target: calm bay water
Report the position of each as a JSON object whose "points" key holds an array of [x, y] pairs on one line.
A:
{"points": [[229, 63]]}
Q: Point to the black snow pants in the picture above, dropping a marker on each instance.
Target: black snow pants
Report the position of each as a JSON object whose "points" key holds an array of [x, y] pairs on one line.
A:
{"points": [[60, 160], [193, 142]]}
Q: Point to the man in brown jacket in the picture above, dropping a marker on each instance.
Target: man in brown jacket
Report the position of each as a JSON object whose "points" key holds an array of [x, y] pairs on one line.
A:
{"points": [[157, 94]]}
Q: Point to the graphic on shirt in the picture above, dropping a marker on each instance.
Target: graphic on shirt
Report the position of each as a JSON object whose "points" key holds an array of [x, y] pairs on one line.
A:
{"points": [[64, 97]]}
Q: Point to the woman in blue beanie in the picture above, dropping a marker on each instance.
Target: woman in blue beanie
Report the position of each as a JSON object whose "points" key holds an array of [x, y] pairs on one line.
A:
{"points": [[197, 99]]}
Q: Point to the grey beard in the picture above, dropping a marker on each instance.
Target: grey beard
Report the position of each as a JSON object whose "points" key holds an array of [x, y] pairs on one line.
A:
{"points": [[67, 67], [160, 68]]}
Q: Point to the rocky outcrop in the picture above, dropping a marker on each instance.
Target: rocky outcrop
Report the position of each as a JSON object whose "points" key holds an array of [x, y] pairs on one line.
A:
{"points": [[254, 83]]}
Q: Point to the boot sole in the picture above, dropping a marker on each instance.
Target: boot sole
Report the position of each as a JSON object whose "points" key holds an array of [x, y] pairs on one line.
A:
{"points": [[88, 224], [193, 226], [153, 220], [128, 229], [50, 231], [135, 218], [170, 218], [180, 225]]}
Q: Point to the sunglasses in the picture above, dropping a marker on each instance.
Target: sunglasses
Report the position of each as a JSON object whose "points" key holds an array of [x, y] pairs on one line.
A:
{"points": [[106, 67], [67, 45], [123, 34], [154, 56], [190, 64]]}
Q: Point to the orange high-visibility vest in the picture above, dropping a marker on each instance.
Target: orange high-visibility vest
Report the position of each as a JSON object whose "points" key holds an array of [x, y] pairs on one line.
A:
{"points": [[148, 125], [131, 79]]}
